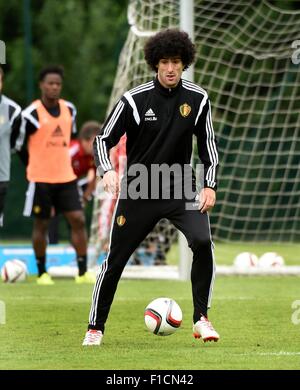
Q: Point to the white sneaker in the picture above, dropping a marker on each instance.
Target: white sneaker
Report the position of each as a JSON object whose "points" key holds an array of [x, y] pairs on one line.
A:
{"points": [[203, 328], [93, 337]]}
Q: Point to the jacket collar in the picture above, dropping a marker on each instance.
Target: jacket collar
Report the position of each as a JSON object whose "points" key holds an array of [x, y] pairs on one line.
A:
{"points": [[166, 91]]}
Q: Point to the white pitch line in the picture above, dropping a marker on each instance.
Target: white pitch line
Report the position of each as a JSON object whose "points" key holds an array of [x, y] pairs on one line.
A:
{"points": [[234, 298], [189, 299], [280, 353], [50, 298]]}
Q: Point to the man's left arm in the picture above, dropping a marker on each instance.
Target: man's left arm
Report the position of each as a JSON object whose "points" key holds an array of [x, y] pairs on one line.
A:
{"points": [[208, 154]]}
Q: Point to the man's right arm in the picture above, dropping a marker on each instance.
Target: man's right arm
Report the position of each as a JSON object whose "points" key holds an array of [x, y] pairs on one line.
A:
{"points": [[110, 134], [29, 125]]}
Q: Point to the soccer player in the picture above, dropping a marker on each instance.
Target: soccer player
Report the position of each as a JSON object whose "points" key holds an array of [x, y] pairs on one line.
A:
{"points": [[10, 119], [47, 125], [159, 118], [82, 157]]}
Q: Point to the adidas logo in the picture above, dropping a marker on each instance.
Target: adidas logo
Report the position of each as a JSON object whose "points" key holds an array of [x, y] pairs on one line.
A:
{"points": [[57, 132], [150, 115], [150, 112]]}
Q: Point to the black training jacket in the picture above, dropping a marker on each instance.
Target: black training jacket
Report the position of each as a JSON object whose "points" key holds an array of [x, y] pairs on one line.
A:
{"points": [[159, 124]]}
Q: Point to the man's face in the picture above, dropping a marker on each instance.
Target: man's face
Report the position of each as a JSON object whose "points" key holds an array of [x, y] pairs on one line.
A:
{"points": [[1, 83], [51, 86], [169, 71], [87, 145]]}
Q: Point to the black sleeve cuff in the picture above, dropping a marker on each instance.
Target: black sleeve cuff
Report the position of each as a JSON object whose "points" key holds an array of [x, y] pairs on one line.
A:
{"points": [[211, 185]]}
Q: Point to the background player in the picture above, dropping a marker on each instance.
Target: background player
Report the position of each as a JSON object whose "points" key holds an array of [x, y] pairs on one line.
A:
{"points": [[47, 124], [10, 119]]}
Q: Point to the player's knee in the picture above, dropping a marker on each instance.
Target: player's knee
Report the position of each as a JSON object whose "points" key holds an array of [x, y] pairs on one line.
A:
{"points": [[199, 241], [38, 235], [78, 221], [117, 269], [40, 227], [116, 263]]}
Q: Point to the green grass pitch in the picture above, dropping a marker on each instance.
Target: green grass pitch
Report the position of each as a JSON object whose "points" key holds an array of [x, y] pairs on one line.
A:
{"points": [[226, 252], [45, 326]]}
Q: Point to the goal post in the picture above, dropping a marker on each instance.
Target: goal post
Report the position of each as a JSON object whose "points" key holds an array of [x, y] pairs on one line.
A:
{"points": [[187, 25]]}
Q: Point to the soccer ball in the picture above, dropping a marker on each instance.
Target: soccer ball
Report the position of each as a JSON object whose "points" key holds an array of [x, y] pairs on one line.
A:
{"points": [[245, 260], [270, 259], [13, 271], [163, 316]]}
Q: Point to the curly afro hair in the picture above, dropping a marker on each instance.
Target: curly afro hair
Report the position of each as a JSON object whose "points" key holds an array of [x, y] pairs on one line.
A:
{"points": [[169, 43]]}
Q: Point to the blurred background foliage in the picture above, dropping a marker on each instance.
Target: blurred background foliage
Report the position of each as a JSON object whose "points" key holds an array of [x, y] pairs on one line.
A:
{"points": [[85, 37]]}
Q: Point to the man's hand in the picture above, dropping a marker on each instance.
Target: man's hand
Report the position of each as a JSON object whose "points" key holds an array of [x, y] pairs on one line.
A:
{"points": [[207, 199], [111, 182]]}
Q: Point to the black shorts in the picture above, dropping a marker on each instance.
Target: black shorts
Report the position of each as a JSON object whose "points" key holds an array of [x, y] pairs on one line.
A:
{"points": [[3, 191], [41, 197]]}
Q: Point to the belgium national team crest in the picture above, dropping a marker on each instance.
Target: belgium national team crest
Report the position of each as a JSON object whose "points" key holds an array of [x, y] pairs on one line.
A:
{"points": [[121, 220], [185, 110]]}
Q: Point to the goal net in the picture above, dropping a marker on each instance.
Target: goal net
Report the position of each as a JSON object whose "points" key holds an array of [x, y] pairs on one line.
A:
{"points": [[247, 61]]}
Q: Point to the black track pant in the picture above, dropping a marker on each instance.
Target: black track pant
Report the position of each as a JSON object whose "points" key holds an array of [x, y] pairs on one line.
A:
{"points": [[133, 220]]}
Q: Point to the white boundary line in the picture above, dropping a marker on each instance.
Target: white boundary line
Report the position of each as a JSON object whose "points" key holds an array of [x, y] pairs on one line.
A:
{"points": [[171, 272], [280, 353]]}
